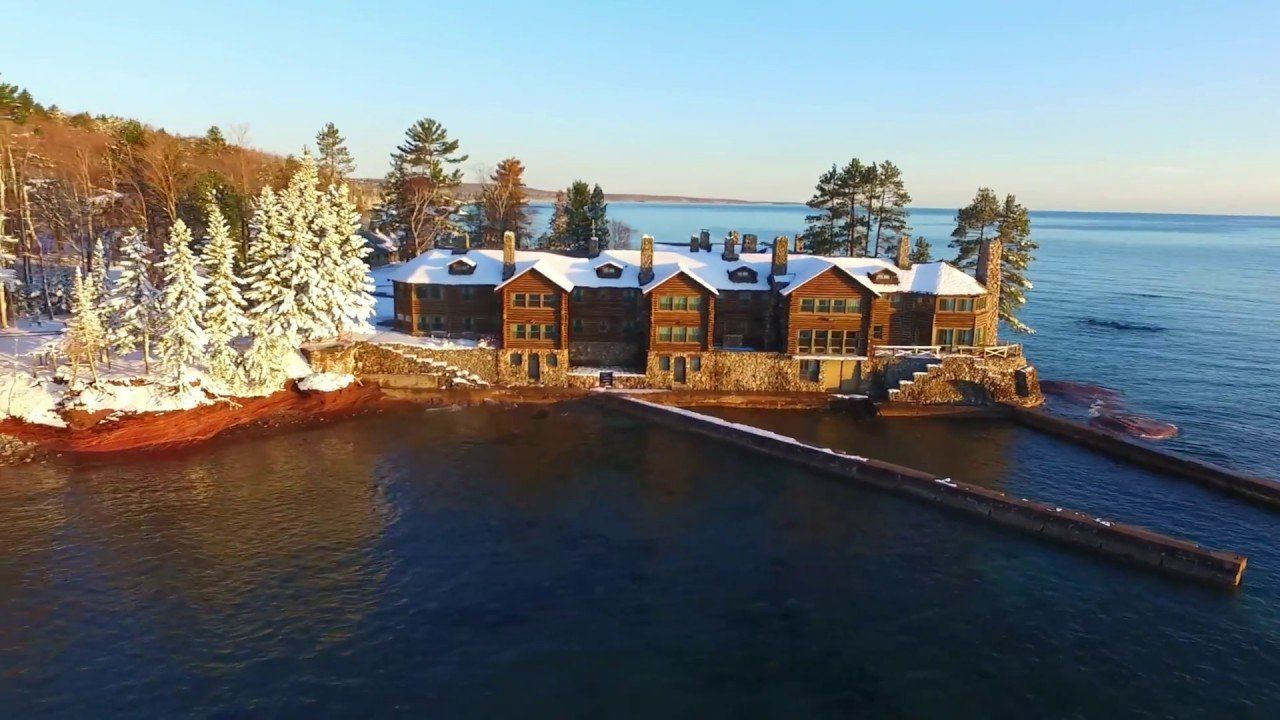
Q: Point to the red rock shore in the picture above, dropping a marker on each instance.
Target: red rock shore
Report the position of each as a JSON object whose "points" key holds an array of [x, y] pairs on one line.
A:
{"points": [[86, 433]]}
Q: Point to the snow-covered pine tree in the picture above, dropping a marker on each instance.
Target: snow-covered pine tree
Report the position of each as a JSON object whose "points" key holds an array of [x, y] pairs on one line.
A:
{"points": [[98, 285], [268, 294], [350, 288], [84, 337], [224, 318], [134, 299], [182, 303]]}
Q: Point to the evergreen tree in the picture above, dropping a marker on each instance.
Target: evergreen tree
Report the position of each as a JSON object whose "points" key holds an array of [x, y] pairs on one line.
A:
{"points": [[85, 337], [98, 287], [182, 303], [214, 139], [267, 292], [335, 161], [423, 185], [504, 204], [854, 191], [224, 318], [557, 225], [134, 299], [597, 210], [346, 275], [820, 234], [1007, 222], [921, 252], [888, 207], [577, 218]]}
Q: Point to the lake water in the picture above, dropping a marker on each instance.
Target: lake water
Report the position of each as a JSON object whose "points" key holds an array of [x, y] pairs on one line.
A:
{"points": [[494, 562]]}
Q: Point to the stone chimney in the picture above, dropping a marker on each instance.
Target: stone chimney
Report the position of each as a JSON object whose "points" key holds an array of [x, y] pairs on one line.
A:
{"points": [[693, 243], [730, 246], [988, 270], [704, 240], [593, 246], [780, 247], [461, 244], [508, 254], [904, 251], [646, 259], [749, 243]]}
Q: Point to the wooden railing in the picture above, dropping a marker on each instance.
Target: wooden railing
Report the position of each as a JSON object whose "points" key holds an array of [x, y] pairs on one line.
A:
{"points": [[943, 350]]}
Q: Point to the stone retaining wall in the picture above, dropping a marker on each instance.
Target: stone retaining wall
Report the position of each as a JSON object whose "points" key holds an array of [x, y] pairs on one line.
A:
{"points": [[731, 371], [968, 380], [1135, 544]]}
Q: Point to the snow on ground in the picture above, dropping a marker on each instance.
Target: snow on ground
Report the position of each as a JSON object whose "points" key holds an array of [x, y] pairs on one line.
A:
{"points": [[34, 385], [617, 371], [325, 382]]}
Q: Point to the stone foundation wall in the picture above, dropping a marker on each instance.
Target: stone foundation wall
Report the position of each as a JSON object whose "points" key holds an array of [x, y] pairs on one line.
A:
{"points": [[964, 380], [622, 382], [552, 373], [364, 359], [731, 372], [605, 354]]}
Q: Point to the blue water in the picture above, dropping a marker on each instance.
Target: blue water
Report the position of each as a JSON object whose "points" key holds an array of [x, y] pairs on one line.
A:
{"points": [[498, 562], [1199, 294]]}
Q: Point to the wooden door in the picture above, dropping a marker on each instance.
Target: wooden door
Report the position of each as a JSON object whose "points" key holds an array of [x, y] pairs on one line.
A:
{"points": [[535, 368], [680, 370]]}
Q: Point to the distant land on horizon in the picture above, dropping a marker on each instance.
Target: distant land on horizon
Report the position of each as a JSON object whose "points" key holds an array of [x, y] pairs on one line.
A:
{"points": [[469, 190]]}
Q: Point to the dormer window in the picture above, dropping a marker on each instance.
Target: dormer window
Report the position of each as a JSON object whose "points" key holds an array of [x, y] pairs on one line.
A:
{"points": [[742, 275], [884, 277], [609, 271], [462, 266]]}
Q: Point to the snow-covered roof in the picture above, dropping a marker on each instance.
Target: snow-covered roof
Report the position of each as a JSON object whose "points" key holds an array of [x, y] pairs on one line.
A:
{"points": [[378, 240], [709, 269], [935, 278]]}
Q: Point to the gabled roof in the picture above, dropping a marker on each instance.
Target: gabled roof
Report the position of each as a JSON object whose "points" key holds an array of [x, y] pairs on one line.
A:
{"points": [[544, 269], [464, 260], [708, 269], [663, 273]]}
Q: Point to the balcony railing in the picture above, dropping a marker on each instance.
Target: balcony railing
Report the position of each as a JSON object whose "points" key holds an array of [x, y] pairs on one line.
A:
{"points": [[1005, 351]]}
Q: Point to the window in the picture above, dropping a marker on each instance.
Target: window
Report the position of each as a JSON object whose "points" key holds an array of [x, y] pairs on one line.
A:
{"points": [[519, 331], [664, 302], [809, 370], [820, 338], [877, 332], [517, 359], [664, 334], [435, 292], [954, 336], [664, 363], [853, 305], [695, 363], [437, 323], [955, 305], [604, 326], [577, 325], [806, 305], [837, 305], [695, 302], [608, 270], [535, 332], [695, 334], [897, 300], [468, 292], [468, 324], [680, 303], [518, 300], [980, 303], [577, 294], [804, 343], [824, 305], [678, 334], [552, 360], [422, 322], [549, 332], [980, 336], [548, 300]]}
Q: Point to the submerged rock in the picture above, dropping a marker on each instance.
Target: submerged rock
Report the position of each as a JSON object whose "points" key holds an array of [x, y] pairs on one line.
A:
{"points": [[1134, 425]]}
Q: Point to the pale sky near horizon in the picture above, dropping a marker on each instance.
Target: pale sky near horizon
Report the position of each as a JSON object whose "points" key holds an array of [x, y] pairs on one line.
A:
{"points": [[1138, 106]]}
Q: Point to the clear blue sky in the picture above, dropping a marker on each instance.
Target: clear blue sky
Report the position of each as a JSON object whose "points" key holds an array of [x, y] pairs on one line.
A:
{"points": [[1117, 105]]}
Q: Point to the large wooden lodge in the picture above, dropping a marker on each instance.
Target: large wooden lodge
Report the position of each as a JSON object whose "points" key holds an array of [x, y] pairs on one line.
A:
{"points": [[671, 311]]}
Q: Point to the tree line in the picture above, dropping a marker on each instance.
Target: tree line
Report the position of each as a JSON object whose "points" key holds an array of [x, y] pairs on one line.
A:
{"points": [[861, 210], [303, 278]]}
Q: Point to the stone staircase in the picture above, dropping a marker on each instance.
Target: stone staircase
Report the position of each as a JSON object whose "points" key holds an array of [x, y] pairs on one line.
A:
{"points": [[447, 375], [902, 378]]}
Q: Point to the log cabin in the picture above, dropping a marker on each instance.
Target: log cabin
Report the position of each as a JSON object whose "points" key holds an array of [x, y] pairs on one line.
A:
{"points": [[618, 308]]}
